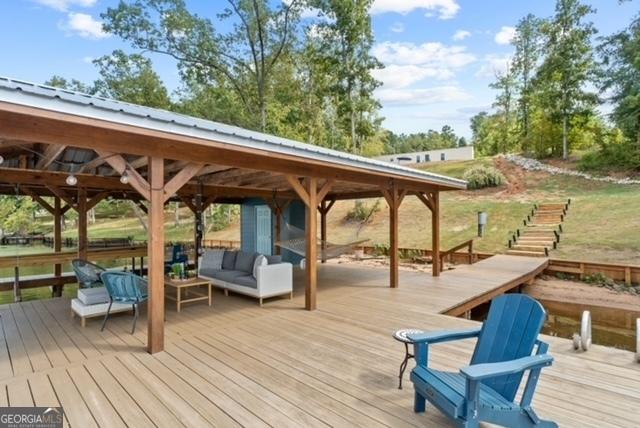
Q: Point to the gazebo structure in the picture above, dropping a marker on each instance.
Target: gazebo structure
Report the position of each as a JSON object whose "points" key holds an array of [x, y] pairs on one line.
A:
{"points": [[80, 149]]}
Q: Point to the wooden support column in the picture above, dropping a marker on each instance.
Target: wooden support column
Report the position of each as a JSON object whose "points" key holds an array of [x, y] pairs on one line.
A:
{"points": [[57, 241], [394, 198], [277, 208], [82, 223], [435, 234], [198, 228], [155, 312], [324, 208], [432, 201], [311, 220], [309, 194]]}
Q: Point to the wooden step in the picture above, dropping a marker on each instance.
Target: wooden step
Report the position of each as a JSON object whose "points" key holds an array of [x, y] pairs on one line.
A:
{"points": [[548, 244], [525, 253], [529, 247]]}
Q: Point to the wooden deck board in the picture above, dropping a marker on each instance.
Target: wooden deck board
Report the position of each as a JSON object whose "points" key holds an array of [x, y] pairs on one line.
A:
{"points": [[237, 364]]}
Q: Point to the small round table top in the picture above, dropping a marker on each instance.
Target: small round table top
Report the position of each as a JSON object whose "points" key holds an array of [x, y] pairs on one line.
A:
{"points": [[401, 335]]}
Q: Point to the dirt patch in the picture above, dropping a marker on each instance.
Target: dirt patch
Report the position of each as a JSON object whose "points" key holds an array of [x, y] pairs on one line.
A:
{"points": [[581, 294]]}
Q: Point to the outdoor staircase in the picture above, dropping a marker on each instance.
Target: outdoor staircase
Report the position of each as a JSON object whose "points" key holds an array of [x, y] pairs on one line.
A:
{"points": [[540, 232]]}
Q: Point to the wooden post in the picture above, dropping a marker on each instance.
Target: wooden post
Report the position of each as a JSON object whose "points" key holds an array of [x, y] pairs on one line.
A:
{"points": [[278, 215], [17, 294], [312, 249], [435, 234], [57, 241], [394, 198], [82, 223], [323, 229], [198, 228], [155, 312]]}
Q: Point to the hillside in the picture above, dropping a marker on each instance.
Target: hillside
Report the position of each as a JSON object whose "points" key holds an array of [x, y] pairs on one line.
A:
{"points": [[603, 222]]}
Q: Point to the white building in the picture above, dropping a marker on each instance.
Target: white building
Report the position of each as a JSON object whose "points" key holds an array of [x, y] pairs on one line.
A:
{"points": [[458, 153]]}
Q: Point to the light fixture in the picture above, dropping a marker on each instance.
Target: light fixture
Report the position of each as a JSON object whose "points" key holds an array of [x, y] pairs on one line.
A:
{"points": [[1, 159], [124, 178], [71, 180]]}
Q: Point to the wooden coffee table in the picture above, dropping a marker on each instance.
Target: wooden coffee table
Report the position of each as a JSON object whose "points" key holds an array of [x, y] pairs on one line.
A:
{"points": [[192, 287]]}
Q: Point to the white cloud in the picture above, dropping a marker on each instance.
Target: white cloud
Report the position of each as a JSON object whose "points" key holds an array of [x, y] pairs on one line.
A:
{"points": [[493, 65], [397, 27], [446, 9], [63, 5], [401, 76], [505, 35], [438, 94], [461, 35], [84, 25], [88, 59], [433, 54]]}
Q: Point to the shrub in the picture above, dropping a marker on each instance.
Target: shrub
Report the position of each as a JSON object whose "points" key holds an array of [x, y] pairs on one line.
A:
{"points": [[479, 177], [612, 157], [362, 212]]}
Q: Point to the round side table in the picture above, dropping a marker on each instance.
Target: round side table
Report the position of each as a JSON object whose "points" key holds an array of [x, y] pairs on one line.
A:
{"points": [[401, 336]]}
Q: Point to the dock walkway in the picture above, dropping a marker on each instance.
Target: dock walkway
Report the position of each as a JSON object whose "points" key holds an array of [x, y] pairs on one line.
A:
{"points": [[236, 364]]}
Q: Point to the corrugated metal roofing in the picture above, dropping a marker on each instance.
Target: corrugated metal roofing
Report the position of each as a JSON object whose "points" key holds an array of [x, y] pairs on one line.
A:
{"points": [[90, 106]]}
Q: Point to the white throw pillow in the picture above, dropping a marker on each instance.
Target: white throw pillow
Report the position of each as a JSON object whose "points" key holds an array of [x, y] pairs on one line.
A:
{"points": [[260, 261], [212, 259]]}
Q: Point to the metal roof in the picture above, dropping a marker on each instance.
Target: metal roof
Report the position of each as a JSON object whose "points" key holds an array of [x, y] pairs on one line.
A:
{"points": [[91, 106]]}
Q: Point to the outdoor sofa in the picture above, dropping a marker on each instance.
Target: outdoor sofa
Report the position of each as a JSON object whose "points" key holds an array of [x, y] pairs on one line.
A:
{"points": [[252, 274]]}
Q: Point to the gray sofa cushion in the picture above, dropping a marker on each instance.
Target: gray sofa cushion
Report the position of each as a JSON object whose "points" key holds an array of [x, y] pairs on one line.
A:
{"points": [[274, 260], [244, 261], [229, 260], [227, 275], [212, 259], [246, 281]]}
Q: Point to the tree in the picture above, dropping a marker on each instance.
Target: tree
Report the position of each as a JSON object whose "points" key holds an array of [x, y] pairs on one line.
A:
{"points": [[244, 58], [527, 43], [130, 78], [506, 85], [344, 50], [621, 78], [568, 67], [72, 85]]}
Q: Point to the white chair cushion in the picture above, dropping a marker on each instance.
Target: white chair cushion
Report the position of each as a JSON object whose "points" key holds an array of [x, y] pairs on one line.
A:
{"points": [[93, 296], [87, 311]]}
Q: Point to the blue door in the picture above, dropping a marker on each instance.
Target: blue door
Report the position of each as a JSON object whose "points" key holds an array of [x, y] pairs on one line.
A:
{"points": [[263, 229]]}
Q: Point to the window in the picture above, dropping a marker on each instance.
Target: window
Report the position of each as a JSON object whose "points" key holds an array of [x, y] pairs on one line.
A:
{"points": [[418, 159], [427, 158], [442, 156]]}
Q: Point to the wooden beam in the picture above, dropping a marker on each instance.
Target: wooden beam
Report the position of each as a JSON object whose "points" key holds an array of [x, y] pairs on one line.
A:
{"points": [[142, 206], [311, 272], [324, 190], [96, 199], [82, 223], [44, 204], [180, 179], [435, 234], [189, 203], [92, 164], [58, 192], [426, 199], [49, 155], [120, 165], [297, 187], [155, 316]]}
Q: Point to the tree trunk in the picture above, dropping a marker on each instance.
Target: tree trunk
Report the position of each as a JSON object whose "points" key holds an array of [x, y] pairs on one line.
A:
{"points": [[176, 212], [565, 145]]}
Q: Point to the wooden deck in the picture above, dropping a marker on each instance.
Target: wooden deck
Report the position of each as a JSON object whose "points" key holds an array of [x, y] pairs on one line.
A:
{"points": [[236, 364]]}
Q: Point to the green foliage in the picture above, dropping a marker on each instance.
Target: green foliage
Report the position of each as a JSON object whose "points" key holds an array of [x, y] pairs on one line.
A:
{"points": [[362, 212], [381, 249], [17, 215], [620, 77], [220, 216], [598, 278], [422, 141], [614, 155], [479, 177]]}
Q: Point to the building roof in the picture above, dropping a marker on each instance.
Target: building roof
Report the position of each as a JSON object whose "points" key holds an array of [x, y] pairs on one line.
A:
{"points": [[91, 106]]}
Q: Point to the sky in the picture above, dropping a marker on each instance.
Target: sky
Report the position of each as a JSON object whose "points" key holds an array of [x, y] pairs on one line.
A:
{"points": [[440, 55]]}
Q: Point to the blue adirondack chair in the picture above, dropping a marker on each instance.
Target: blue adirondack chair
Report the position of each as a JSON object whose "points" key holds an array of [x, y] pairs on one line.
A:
{"points": [[486, 389], [125, 287]]}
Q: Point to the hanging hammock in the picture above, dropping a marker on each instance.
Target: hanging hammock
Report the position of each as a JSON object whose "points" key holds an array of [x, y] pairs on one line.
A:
{"points": [[325, 250]]}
